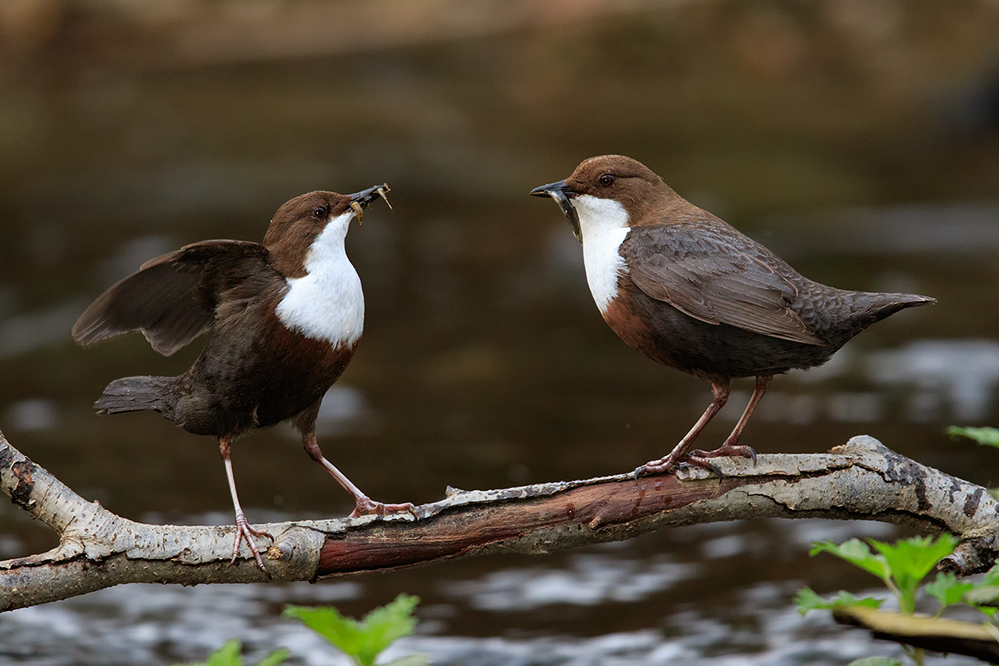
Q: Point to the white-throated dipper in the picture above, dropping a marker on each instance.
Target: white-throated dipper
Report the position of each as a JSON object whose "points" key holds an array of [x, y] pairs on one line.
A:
{"points": [[688, 290], [283, 320]]}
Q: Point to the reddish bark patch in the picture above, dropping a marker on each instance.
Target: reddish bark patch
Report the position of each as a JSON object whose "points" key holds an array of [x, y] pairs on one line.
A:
{"points": [[465, 529]]}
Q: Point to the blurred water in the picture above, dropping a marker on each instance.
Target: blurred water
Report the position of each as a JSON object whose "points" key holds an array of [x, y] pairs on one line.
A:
{"points": [[756, 623], [820, 130]]}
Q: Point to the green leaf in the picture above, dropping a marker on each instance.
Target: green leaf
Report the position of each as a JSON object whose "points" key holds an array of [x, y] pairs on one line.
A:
{"points": [[910, 560], [991, 576], [388, 623], [343, 632], [855, 552], [915, 557], [901, 566], [947, 589], [274, 658], [983, 436], [875, 661], [806, 600], [363, 641], [227, 655]]}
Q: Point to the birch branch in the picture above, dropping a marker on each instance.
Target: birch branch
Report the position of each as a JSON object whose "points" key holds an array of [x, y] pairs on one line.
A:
{"points": [[862, 479], [930, 633]]}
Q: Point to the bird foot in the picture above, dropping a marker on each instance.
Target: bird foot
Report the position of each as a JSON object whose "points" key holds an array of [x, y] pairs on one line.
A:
{"points": [[695, 458], [244, 531], [727, 449], [671, 463], [366, 506]]}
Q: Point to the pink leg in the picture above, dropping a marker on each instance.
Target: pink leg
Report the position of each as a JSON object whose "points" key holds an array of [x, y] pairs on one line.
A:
{"points": [[363, 505], [243, 529], [731, 446], [679, 453]]}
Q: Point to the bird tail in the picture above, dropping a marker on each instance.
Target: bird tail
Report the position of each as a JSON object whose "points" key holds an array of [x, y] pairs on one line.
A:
{"points": [[886, 305], [133, 394], [869, 308]]}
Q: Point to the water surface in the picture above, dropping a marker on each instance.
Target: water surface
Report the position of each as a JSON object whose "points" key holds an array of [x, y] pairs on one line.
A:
{"points": [[484, 361]]}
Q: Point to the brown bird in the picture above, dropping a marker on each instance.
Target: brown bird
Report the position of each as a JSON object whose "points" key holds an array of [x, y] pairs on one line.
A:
{"points": [[688, 290], [283, 320]]}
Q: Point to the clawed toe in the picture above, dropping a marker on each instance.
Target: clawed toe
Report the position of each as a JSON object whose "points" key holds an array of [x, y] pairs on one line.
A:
{"points": [[365, 506], [728, 450], [671, 463], [691, 460], [695, 458], [244, 531]]}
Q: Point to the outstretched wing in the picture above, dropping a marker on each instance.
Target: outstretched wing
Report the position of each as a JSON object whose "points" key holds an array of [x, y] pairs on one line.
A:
{"points": [[171, 298], [696, 271]]}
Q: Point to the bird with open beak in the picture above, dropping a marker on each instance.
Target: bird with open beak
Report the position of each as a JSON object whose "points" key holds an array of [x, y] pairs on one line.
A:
{"points": [[283, 319], [689, 291]]}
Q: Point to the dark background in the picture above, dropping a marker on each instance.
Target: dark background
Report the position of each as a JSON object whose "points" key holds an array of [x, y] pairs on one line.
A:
{"points": [[859, 140]]}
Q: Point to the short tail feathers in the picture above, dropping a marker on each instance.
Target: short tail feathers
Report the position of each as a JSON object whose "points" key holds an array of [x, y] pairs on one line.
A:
{"points": [[840, 314], [869, 308], [885, 305], [133, 394]]}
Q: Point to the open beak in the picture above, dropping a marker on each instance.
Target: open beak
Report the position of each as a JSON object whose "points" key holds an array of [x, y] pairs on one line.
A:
{"points": [[359, 200], [560, 193]]}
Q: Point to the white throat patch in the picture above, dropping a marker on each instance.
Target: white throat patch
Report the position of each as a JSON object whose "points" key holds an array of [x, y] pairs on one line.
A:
{"points": [[604, 226], [327, 304]]}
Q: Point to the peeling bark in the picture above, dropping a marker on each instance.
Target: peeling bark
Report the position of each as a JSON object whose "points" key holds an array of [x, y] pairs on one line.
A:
{"points": [[860, 480]]}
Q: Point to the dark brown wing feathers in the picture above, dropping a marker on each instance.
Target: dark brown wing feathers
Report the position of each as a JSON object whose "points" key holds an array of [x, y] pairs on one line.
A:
{"points": [[690, 270], [172, 298]]}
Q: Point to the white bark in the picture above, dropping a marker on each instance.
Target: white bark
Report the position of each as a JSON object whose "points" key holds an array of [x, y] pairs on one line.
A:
{"points": [[860, 480]]}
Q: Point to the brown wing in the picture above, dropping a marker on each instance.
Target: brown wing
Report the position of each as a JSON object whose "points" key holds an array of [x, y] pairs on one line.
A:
{"points": [[172, 298], [698, 272]]}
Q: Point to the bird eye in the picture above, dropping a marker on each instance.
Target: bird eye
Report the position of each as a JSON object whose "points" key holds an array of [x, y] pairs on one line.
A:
{"points": [[606, 179], [319, 212]]}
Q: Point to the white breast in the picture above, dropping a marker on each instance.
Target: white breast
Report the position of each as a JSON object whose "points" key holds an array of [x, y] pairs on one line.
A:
{"points": [[327, 304], [604, 226]]}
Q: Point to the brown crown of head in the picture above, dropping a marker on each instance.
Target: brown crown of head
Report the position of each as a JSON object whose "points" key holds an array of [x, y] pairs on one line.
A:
{"points": [[296, 224], [637, 187], [305, 216]]}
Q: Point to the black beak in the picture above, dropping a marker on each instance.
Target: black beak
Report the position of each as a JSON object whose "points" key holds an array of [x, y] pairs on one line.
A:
{"points": [[560, 193], [358, 200]]}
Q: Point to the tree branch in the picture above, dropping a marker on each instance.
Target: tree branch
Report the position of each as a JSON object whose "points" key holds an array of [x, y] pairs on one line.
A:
{"points": [[931, 633], [860, 480]]}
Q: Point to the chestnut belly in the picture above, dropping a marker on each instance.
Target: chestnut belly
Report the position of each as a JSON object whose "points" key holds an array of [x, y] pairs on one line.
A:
{"points": [[231, 389], [711, 351]]}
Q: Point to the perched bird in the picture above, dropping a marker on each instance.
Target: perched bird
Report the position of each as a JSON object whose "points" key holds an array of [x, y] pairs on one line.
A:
{"points": [[688, 290], [283, 320]]}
